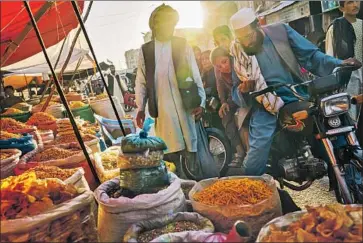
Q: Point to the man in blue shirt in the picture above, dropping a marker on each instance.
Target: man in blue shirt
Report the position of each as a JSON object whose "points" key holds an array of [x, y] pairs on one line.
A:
{"points": [[280, 52]]}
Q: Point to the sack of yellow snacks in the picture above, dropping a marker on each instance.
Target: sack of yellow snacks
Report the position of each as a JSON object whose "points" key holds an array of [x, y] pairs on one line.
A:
{"points": [[45, 210]]}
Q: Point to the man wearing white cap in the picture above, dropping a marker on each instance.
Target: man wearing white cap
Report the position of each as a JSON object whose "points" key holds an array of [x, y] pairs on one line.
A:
{"points": [[265, 56]]}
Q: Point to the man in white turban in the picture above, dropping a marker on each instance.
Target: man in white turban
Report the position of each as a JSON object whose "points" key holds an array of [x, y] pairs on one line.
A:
{"points": [[266, 56], [157, 83]]}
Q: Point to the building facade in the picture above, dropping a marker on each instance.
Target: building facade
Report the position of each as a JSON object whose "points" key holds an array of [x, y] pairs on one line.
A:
{"points": [[131, 57]]}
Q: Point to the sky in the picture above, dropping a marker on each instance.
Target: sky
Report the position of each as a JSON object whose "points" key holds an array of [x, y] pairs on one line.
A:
{"points": [[116, 26]]}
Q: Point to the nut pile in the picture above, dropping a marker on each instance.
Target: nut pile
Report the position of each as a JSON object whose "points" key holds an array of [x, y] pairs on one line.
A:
{"points": [[7, 135], [12, 111], [7, 124], [174, 227], [43, 172], [54, 153], [40, 118]]}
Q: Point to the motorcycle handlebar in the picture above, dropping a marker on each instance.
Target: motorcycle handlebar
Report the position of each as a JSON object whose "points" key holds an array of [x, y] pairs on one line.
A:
{"points": [[266, 90]]}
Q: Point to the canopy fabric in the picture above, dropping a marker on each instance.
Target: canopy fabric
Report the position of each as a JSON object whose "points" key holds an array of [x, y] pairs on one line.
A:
{"points": [[37, 64], [20, 81], [54, 26]]}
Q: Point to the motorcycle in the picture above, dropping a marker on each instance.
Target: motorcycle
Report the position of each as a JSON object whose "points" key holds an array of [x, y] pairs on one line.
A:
{"points": [[295, 159], [219, 144], [129, 96]]}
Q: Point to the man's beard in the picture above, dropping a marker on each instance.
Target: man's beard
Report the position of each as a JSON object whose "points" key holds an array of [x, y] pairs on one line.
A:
{"points": [[256, 47]]}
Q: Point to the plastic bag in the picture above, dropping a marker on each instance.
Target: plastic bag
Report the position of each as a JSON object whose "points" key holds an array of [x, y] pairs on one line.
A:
{"points": [[138, 143], [143, 180], [25, 144], [116, 215], [205, 165], [146, 159], [255, 216], [133, 232]]}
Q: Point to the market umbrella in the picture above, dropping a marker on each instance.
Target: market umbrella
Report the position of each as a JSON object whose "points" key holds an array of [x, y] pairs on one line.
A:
{"points": [[18, 39]]}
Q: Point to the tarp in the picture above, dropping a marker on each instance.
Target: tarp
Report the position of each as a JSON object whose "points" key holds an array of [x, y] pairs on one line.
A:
{"points": [[54, 26], [37, 64], [20, 81]]}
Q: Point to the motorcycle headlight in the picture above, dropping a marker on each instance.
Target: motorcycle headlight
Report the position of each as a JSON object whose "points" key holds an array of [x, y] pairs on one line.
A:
{"points": [[335, 105]]}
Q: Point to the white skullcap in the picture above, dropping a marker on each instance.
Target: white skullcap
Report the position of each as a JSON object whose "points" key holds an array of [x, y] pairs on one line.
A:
{"points": [[243, 18]]}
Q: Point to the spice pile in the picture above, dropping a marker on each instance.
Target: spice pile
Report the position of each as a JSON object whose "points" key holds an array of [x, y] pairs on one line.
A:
{"points": [[26, 195], [7, 135], [54, 153], [40, 118], [174, 227], [234, 192], [331, 223], [12, 111], [43, 172], [76, 104], [7, 124]]}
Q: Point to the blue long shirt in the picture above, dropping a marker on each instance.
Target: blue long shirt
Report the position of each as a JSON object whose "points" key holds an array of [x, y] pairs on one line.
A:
{"points": [[275, 71]]}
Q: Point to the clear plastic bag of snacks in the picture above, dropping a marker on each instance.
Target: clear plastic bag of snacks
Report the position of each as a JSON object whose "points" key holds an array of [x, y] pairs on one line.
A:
{"points": [[147, 159]]}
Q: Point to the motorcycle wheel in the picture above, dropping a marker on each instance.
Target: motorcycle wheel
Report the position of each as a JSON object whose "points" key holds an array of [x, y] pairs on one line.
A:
{"points": [[221, 150]]}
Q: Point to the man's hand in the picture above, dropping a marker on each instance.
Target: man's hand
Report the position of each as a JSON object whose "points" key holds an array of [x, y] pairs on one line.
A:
{"points": [[140, 118], [352, 62], [198, 112], [223, 110], [247, 86]]}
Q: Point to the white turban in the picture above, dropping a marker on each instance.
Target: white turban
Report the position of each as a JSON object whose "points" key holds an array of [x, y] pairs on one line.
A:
{"points": [[243, 18]]}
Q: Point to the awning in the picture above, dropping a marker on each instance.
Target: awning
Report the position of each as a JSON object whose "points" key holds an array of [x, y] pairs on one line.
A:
{"points": [[20, 81], [282, 5], [56, 21], [37, 64]]}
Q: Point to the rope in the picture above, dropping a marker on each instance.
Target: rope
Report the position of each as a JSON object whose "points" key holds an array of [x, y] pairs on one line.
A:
{"points": [[23, 8]]}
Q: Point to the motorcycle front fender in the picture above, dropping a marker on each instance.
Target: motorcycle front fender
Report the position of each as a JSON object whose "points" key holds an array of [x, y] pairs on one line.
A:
{"points": [[342, 185]]}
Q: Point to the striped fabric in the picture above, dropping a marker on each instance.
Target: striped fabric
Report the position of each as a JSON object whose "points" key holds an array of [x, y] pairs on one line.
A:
{"points": [[247, 68]]}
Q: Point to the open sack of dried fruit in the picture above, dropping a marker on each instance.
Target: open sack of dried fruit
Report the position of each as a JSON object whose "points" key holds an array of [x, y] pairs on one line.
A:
{"points": [[168, 227], [45, 210], [330, 223], [253, 199], [119, 208]]}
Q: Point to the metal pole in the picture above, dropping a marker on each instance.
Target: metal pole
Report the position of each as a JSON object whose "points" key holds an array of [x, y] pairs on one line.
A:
{"points": [[75, 8], [61, 94]]}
